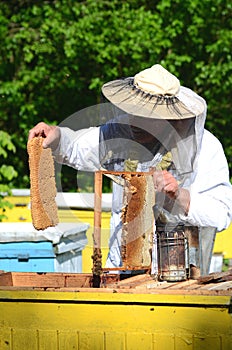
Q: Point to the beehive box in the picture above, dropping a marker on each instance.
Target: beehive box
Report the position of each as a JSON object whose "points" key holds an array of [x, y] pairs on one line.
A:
{"points": [[62, 311], [69, 249], [22, 248], [27, 256]]}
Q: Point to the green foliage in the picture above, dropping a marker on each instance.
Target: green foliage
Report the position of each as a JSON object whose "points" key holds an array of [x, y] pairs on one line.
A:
{"points": [[5, 144], [7, 172], [56, 54], [225, 265]]}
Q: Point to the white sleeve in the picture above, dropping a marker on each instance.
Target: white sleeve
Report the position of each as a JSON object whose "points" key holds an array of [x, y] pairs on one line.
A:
{"points": [[211, 192], [79, 149]]}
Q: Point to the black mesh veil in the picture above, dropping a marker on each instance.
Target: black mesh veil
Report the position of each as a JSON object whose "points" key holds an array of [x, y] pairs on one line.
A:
{"points": [[141, 143]]}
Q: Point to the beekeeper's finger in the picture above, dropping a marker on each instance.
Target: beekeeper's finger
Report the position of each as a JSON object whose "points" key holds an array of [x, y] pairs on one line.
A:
{"points": [[41, 129], [53, 138]]}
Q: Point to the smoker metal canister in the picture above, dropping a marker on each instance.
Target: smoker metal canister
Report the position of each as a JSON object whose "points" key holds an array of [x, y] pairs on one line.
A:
{"points": [[172, 253]]}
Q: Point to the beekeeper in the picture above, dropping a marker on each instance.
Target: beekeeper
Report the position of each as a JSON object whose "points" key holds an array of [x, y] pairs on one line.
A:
{"points": [[150, 121]]}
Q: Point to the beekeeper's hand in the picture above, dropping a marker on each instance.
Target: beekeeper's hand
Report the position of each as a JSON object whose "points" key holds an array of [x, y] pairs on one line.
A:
{"points": [[166, 183], [51, 134]]}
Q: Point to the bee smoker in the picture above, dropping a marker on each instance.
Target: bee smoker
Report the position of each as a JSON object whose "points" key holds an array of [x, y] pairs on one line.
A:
{"points": [[172, 247], [173, 252]]}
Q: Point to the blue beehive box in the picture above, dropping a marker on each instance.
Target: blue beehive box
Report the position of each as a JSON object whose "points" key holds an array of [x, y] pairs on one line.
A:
{"points": [[27, 257]]}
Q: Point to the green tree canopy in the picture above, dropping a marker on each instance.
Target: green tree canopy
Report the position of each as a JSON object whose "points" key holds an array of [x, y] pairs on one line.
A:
{"points": [[55, 55], [7, 172]]}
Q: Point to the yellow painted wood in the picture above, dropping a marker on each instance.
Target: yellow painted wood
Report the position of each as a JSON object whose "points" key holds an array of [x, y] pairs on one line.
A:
{"points": [[91, 340], [223, 243], [67, 340], [68, 215], [139, 340], [20, 213], [5, 337], [183, 342], [164, 341], [115, 340], [20, 339], [109, 296], [206, 343], [68, 320]]}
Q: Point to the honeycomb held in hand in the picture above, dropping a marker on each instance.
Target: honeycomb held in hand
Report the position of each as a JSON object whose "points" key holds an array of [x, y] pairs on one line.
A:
{"points": [[42, 185]]}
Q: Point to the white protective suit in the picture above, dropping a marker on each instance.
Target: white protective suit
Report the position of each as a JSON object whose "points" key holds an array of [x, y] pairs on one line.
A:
{"points": [[211, 191]]}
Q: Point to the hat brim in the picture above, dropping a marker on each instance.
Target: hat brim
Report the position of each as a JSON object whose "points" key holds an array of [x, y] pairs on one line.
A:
{"points": [[124, 95]]}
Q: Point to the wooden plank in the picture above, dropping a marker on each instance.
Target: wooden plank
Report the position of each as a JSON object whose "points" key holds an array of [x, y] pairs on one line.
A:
{"points": [[120, 173], [131, 281], [193, 286], [167, 285], [97, 209], [149, 284], [126, 290], [6, 279], [83, 283], [136, 279], [206, 286], [31, 279], [97, 255], [222, 286], [183, 285], [214, 277]]}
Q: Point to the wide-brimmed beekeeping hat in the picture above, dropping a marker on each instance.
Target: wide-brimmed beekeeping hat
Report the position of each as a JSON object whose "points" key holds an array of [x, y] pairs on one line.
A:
{"points": [[154, 93]]}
